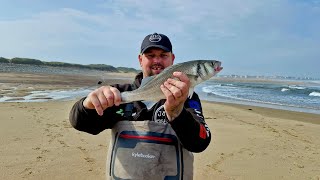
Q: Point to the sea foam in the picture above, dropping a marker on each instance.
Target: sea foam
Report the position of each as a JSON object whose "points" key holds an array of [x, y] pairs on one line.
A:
{"points": [[315, 94], [297, 87]]}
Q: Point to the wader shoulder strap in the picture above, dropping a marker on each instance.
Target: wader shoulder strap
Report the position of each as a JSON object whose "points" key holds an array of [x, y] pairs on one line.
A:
{"points": [[128, 111]]}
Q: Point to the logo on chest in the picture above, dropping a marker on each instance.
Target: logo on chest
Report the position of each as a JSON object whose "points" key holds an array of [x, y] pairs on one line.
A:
{"points": [[160, 115]]}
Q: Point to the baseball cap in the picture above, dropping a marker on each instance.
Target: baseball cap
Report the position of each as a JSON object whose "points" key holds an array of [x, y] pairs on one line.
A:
{"points": [[156, 40]]}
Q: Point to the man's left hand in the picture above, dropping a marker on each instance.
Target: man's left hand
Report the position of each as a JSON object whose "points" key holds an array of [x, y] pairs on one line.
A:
{"points": [[176, 92]]}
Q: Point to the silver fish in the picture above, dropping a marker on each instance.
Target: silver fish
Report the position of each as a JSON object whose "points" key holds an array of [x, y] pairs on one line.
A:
{"points": [[149, 90]]}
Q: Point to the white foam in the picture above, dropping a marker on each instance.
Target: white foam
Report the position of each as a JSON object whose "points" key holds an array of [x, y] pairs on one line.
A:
{"points": [[41, 96], [207, 89], [211, 88], [315, 94], [284, 89], [297, 87]]}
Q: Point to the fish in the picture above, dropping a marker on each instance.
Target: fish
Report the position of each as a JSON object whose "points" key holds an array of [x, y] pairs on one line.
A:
{"points": [[197, 71]]}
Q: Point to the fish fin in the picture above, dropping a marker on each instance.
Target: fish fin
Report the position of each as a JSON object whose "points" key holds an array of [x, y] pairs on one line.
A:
{"points": [[192, 77], [149, 104], [146, 80], [190, 93]]}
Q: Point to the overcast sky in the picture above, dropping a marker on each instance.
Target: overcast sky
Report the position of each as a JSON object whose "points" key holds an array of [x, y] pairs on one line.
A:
{"points": [[253, 37]]}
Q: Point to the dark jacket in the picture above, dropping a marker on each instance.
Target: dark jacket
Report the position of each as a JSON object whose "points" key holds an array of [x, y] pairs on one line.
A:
{"points": [[190, 126]]}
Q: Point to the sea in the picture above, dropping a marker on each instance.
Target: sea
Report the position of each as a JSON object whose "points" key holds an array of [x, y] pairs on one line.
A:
{"points": [[294, 95]]}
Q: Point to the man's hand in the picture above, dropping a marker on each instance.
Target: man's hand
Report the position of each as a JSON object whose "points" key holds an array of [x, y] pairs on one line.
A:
{"points": [[102, 98], [176, 92]]}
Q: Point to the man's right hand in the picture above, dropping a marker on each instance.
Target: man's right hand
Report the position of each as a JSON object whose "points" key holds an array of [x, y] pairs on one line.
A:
{"points": [[102, 98]]}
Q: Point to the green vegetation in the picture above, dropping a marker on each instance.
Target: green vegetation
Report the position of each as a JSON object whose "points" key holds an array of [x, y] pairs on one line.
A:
{"points": [[126, 69], [101, 67], [17, 60], [62, 64], [4, 60]]}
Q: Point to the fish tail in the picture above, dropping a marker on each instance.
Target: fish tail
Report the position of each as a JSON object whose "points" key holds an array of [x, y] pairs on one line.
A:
{"points": [[190, 92], [124, 97]]}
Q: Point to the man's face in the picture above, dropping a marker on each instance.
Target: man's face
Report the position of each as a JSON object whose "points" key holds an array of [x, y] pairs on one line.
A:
{"points": [[155, 60]]}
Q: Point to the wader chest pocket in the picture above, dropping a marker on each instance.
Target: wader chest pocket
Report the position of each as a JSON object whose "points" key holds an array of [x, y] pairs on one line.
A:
{"points": [[145, 155]]}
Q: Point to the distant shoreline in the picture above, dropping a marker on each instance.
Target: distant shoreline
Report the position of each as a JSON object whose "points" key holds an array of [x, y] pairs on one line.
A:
{"points": [[44, 69], [74, 68], [35, 62]]}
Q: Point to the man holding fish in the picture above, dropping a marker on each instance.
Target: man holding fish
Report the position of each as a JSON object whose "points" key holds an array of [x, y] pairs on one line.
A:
{"points": [[156, 121]]}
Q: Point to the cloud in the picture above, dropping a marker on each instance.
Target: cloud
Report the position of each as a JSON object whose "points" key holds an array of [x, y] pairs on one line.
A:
{"points": [[56, 32], [125, 19], [247, 31], [184, 16]]}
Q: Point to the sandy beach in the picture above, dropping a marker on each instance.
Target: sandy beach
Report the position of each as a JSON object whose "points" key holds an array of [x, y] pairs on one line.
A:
{"points": [[38, 142]]}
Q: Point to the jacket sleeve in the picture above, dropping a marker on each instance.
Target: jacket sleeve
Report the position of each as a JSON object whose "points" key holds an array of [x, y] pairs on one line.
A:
{"points": [[88, 120], [191, 127]]}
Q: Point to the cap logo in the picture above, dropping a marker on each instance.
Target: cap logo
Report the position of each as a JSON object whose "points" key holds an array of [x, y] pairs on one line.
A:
{"points": [[155, 38]]}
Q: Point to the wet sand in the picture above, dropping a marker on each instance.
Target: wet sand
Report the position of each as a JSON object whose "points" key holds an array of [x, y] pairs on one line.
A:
{"points": [[38, 142]]}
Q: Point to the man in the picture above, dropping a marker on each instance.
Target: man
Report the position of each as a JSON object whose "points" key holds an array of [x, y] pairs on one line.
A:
{"points": [[147, 142]]}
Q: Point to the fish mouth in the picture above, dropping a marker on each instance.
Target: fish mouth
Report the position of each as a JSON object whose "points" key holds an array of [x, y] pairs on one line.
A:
{"points": [[218, 68]]}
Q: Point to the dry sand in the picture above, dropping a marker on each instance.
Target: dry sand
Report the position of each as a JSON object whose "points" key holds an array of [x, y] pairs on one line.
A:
{"points": [[37, 142]]}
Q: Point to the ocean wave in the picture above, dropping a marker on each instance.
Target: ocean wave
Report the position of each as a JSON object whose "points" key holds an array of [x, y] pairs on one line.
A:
{"points": [[210, 89], [282, 104], [229, 85], [207, 89], [315, 94], [297, 87], [295, 96], [41, 96]]}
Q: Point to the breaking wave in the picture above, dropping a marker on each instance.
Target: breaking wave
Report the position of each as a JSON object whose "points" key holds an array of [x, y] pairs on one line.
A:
{"points": [[315, 94], [297, 87]]}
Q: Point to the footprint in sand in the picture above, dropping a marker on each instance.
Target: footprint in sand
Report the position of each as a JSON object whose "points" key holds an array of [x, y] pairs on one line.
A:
{"points": [[246, 150], [298, 165], [40, 158], [53, 137], [222, 158], [82, 149], [63, 143], [17, 139], [87, 158], [42, 153], [66, 124], [296, 136], [37, 148], [51, 125], [26, 172]]}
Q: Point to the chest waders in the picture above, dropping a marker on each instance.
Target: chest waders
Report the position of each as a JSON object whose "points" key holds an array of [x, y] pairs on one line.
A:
{"points": [[147, 150]]}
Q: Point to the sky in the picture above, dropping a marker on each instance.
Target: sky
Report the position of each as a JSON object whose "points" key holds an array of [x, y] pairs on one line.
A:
{"points": [[249, 37]]}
